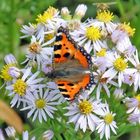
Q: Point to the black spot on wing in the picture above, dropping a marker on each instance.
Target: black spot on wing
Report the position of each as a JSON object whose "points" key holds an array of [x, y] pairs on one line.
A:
{"points": [[63, 90], [57, 47], [66, 54], [58, 38], [57, 56], [70, 84], [66, 95], [60, 84]]}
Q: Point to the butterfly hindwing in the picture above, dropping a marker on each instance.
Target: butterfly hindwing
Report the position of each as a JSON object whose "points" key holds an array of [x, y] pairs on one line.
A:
{"points": [[69, 89]]}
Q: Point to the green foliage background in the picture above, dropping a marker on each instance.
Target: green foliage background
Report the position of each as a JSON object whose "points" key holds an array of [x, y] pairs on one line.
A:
{"points": [[15, 13]]}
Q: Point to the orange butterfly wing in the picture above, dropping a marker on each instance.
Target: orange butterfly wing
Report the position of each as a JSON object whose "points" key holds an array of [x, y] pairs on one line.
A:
{"points": [[64, 50]]}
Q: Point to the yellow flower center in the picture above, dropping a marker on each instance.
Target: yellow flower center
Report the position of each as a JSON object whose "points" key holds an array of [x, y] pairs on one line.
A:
{"points": [[105, 16], [35, 47], [40, 103], [138, 97], [126, 27], [5, 72], [49, 37], [108, 118], [20, 87], [93, 33], [101, 53], [85, 107], [47, 15], [120, 64]]}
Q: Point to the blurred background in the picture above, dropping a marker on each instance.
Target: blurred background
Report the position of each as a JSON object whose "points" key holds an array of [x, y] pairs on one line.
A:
{"points": [[15, 13]]}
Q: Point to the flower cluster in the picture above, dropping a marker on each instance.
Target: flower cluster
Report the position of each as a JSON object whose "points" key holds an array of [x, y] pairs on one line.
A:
{"points": [[116, 68], [11, 134]]}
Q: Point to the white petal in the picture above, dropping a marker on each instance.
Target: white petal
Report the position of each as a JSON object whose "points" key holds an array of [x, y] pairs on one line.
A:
{"points": [[30, 113], [33, 77], [109, 74], [26, 74], [107, 132]]}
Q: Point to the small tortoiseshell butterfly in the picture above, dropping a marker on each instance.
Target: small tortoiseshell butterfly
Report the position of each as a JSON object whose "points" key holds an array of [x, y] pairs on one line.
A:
{"points": [[71, 70]]}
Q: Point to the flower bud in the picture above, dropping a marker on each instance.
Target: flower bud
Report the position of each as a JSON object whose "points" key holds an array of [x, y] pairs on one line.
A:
{"points": [[80, 11], [48, 135], [118, 93], [10, 59], [65, 13]]}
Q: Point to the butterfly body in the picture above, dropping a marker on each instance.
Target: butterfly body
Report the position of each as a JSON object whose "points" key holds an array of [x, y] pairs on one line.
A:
{"points": [[71, 67]]}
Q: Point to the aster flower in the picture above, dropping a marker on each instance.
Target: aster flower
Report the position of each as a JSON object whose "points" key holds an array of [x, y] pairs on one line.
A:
{"points": [[122, 30], [84, 113], [41, 104], [125, 47], [28, 30], [104, 20], [101, 59], [88, 36], [133, 104], [6, 74], [24, 85], [51, 14], [102, 83], [48, 23], [120, 36], [106, 123], [126, 28], [136, 63], [119, 68], [38, 53]]}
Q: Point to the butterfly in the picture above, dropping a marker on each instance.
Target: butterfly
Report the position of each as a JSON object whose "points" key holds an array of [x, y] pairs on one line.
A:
{"points": [[71, 65]]}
